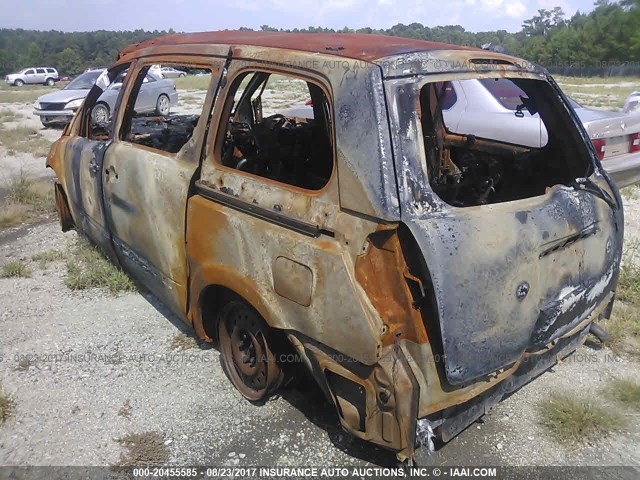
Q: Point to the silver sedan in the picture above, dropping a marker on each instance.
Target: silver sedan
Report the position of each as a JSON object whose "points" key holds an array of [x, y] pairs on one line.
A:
{"points": [[156, 95]]}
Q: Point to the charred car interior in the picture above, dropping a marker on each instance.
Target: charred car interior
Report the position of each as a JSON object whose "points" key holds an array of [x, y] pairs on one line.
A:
{"points": [[468, 168], [153, 118], [317, 210], [264, 142]]}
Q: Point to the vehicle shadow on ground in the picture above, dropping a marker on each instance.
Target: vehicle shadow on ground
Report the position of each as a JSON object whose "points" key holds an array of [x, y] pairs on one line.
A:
{"points": [[181, 325], [307, 397], [302, 393]]}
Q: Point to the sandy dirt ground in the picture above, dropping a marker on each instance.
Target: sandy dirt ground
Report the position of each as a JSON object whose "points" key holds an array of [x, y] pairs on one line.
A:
{"points": [[103, 367]]}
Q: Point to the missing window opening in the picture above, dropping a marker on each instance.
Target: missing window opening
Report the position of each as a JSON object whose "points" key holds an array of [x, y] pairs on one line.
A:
{"points": [[497, 140], [279, 128]]}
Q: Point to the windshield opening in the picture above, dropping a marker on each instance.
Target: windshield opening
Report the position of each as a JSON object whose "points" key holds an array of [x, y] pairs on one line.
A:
{"points": [[500, 140], [84, 81]]}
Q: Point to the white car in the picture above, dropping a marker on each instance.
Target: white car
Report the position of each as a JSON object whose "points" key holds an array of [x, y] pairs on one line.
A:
{"points": [[492, 108], [167, 72], [632, 103], [44, 75]]}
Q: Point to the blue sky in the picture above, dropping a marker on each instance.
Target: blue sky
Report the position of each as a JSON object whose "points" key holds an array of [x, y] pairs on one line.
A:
{"points": [[199, 15]]}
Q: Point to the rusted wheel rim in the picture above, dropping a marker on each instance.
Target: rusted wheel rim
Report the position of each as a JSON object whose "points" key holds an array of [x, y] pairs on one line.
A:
{"points": [[245, 353]]}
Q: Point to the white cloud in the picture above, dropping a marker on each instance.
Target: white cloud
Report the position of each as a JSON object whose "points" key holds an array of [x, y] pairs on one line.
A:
{"points": [[515, 9]]}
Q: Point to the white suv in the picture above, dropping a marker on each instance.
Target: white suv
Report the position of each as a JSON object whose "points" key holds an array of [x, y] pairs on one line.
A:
{"points": [[45, 75]]}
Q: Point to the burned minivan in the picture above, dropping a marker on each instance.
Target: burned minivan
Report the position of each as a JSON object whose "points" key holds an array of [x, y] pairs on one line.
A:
{"points": [[321, 199]]}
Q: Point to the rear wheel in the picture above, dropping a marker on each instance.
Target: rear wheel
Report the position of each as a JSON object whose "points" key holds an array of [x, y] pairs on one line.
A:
{"points": [[182, 75], [100, 113], [163, 105], [245, 353], [49, 82], [18, 83]]}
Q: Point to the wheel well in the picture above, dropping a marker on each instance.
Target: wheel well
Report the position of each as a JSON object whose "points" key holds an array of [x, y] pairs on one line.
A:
{"points": [[212, 299]]}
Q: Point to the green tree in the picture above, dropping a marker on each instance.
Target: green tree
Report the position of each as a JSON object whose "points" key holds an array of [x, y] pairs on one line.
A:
{"points": [[69, 62], [33, 58]]}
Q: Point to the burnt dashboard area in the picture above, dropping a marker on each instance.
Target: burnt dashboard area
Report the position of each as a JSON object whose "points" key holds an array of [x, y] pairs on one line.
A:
{"points": [[286, 149], [498, 140], [167, 133]]}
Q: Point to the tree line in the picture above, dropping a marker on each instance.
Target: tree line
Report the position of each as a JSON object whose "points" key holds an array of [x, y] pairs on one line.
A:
{"points": [[605, 41]]}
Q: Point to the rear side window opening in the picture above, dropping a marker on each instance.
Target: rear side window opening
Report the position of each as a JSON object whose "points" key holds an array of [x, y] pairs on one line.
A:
{"points": [[278, 127], [488, 157]]}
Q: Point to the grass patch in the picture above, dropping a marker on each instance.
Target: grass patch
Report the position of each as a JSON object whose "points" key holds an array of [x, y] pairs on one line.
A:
{"points": [[193, 82], [605, 93], [12, 214], [25, 94], [143, 449], [14, 269], [50, 256], [624, 329], [90, 269], [6, 406], [26, 200], [24, 139], [626, 392], [573, 420], [8, 115], [630, 193], [182, 341], [629, 283]]}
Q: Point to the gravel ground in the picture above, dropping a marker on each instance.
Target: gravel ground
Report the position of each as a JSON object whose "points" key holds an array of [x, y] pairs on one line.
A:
{"points": [[88, 370]]}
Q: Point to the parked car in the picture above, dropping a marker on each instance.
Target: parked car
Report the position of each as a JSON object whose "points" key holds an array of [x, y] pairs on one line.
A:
{"points": [[486, 108], [616, 138], [57, 108], [419, 275], [632, 104], [168, 72], [45, 75]]}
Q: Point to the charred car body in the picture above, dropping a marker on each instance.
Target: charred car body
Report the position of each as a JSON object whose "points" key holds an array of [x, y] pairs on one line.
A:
{"points": [[419, 273]]}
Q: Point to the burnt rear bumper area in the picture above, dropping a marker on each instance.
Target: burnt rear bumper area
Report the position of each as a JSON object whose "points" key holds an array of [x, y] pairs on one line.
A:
{"points": [[448, 423]]}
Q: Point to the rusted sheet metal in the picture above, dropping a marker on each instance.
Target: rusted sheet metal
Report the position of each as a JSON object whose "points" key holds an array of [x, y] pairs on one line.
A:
{"points": [[451, 60], [376, 403], [383, 273], [362, 47], [243, 269]]}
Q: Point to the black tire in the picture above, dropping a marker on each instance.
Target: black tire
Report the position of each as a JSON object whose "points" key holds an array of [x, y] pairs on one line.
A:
{"points": [[163, 105], [182, 75], [246, 355], [18, 83], [49, 82], [100, 113]]}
